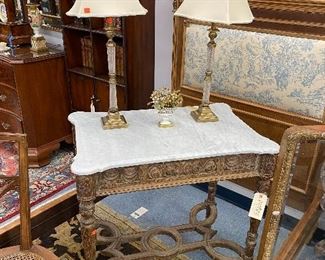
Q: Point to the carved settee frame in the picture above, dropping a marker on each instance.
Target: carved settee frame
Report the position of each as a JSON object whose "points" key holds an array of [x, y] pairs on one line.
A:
{"points": [[297, 18]]}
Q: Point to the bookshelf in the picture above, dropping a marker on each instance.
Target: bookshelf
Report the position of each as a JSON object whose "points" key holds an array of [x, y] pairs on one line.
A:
{"points": [[86, 59]]}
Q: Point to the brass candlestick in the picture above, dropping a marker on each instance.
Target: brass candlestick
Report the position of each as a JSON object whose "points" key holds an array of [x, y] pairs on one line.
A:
{"points": [[204, 112], [113, 119]]}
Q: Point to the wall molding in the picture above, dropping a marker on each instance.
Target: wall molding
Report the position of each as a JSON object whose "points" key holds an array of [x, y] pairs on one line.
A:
{"points": [[303, 18], [296, 18]]}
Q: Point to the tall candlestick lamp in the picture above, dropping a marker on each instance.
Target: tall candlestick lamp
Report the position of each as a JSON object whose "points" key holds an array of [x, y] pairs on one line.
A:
{"points": [[108, 9], [214, 12]]}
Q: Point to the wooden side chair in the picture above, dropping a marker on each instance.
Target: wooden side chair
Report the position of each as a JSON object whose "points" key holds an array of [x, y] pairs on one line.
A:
{"points": [[291, 142], [14, 176]]}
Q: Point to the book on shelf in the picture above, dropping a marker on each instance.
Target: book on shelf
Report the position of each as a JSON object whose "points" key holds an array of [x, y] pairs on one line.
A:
{"points": [[86, 52], [118, 24], [119, 61]]}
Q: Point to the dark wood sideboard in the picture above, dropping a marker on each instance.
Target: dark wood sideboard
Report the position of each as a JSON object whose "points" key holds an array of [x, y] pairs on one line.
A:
{"points": [[34, 100]]}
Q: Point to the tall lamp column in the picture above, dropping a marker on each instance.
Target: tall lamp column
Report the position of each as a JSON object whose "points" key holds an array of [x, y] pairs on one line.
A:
{"points": [[113, 119], [204, 113], [213, 11], [108, 9]]}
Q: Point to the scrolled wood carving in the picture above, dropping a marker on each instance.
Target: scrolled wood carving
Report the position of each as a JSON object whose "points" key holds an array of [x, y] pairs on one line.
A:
{"points": [[152, 176]]}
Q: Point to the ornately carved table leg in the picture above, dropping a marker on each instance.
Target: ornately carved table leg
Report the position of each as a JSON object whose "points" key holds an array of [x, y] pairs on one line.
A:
{"points": [[211, 200], [86, 187], [263, 186]]}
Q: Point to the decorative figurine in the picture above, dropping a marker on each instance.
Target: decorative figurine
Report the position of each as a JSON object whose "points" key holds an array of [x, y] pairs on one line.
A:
{"points": [[38, 41]]}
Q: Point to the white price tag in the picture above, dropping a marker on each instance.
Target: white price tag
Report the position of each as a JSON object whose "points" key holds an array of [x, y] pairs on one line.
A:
{"points": [[139, 212], [258, 206]]}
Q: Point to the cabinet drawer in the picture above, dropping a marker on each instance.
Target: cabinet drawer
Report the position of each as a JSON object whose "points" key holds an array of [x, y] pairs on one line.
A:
{"points": [[10, 123], [7, 74], [9, 99]]}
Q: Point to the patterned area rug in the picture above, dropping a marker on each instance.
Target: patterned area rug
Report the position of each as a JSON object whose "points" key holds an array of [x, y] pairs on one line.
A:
{"points": [[44, 183], [65, 241]]}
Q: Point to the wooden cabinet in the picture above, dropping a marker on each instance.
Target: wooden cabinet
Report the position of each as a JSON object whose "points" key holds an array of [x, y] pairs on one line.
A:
{"points": [[14, 25], [87, 66], [34, 100]]}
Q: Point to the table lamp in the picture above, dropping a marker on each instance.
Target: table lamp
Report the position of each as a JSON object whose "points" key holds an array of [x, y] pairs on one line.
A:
{"points": [[213, 11], [108, 9]]}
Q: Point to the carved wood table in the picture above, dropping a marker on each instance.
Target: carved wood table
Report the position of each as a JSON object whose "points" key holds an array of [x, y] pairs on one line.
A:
{"points": [[144, 156]]}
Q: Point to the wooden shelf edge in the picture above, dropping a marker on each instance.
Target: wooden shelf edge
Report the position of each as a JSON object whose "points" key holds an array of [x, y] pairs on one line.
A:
{"points": [[87, 72]]}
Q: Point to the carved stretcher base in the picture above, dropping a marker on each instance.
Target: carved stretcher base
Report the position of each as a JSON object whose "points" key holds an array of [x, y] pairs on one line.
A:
{"points": [[109, 235]]}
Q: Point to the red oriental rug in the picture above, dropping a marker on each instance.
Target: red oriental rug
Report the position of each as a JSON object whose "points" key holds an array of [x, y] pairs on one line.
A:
{"points": [[45, 182]]}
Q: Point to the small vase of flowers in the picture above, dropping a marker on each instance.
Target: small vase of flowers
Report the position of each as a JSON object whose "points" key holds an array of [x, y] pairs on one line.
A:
{"points": [[165, 101]]}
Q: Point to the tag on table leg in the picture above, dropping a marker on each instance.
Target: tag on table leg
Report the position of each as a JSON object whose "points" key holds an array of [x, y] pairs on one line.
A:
{"points": [[258, 206], [139, 212]]}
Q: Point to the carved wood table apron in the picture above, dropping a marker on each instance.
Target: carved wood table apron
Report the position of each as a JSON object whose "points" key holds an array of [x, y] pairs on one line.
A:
{"points": [[144, 156]]}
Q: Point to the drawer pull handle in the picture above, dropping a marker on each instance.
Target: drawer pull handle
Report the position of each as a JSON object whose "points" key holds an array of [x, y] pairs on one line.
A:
{"points": [[3, 97], [5, 126]]}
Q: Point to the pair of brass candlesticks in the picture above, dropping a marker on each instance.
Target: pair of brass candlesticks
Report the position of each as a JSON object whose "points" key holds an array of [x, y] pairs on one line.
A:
{"points": [[212, 11]]}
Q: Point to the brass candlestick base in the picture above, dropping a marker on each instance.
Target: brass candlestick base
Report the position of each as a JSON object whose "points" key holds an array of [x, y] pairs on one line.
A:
{"points": [[114, 120], [38, 44], [204, 114]]}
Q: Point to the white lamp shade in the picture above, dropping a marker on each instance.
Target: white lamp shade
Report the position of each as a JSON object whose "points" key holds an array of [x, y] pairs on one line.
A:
{"points": [[216, 11], [106, 8]]}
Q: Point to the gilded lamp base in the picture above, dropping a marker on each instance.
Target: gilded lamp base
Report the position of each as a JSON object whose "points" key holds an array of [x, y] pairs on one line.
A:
{"points": [[38, 44], [204, 114], [114, 120]]}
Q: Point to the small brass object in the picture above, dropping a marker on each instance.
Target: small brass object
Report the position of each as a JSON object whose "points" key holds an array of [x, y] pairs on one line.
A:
{"points": [[165, 124], [204, 114], [114, 120], [38, 44]]}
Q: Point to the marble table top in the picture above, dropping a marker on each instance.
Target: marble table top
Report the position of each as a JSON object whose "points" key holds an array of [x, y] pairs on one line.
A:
{"points": [[143, 142]]}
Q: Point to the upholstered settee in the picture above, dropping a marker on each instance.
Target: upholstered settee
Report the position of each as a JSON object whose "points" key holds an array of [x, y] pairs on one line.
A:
{"points": [[271, 81]]}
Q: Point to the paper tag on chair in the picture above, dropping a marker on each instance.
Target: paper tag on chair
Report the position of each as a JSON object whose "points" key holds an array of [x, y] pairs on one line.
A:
{"points": [[258, 206]]}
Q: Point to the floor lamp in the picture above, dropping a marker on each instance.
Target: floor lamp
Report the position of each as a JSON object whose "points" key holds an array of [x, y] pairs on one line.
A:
{"points": [[108, 9], [214, 12]]}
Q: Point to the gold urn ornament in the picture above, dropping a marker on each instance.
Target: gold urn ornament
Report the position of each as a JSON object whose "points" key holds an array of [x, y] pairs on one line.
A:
{"points": [[38, 41]]}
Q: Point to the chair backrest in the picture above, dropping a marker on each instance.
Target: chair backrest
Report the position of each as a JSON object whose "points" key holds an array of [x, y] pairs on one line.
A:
{"points": [[292, 140], [14, 176]]}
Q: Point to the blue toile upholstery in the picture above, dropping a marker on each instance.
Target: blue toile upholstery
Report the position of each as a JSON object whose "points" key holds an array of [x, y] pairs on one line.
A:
{"points": [[278, 71]]}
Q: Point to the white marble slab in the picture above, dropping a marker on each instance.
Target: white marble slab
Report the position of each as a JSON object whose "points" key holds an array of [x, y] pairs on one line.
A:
{"points": [[143, 142]]}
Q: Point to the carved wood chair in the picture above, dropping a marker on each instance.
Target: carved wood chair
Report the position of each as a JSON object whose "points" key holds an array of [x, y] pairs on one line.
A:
{"points": [[291, 143], [14, 176]]}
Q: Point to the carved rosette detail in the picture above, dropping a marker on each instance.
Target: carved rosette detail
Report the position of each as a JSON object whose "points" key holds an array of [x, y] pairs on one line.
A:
{"points": [[170, 174]]}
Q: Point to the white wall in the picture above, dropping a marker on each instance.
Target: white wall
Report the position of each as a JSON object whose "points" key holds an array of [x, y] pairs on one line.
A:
{"points": [[54, 38], [163, 43]]}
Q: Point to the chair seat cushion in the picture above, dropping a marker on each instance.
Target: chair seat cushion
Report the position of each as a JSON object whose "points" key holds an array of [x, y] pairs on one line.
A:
{"points": [[9, 159]]}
